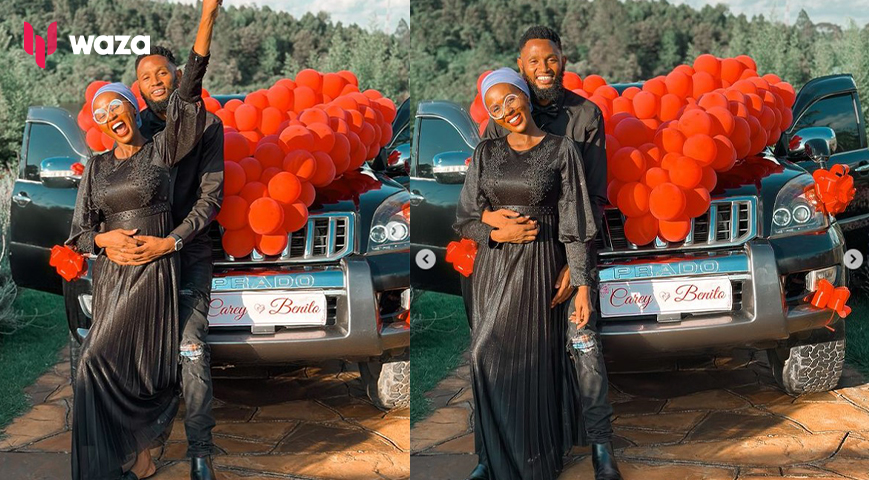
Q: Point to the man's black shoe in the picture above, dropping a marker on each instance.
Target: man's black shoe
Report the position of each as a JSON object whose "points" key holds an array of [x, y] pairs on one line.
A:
{"points": [[479, 473], [202, 469], [604, 461]]}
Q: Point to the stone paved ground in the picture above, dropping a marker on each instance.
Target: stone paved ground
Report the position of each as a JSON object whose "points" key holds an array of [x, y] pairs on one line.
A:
{"points": [[689, 419], [293, 423]]}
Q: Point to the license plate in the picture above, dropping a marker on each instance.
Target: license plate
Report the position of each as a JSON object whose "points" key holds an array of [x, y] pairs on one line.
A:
{"points": [[277, 308], [646, 297]]}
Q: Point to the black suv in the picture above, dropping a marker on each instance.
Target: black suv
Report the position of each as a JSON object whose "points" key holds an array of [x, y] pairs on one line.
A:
{"points": [[747, 245], [364, 284]]}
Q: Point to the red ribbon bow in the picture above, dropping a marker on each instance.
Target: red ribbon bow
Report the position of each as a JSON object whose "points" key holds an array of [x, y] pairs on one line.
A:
{"points": [[834, 298], [834, 188], [70, 264], [461, 254]]}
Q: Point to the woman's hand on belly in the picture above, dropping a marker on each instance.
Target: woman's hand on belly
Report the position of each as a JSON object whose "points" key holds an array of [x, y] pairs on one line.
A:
{"points": [[521, 230], [146, 250]]}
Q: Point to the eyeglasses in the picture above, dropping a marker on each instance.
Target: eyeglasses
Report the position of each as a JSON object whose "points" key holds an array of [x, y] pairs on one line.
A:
{"points": [[498, 111], [101, 115]]}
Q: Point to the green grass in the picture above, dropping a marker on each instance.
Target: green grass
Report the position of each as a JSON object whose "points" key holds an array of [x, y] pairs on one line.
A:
{"points": [[439, 336], [29, 352]]}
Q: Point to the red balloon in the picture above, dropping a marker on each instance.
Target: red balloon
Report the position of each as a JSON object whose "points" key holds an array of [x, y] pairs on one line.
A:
{"points": [[633, 199], [709, 179], [233, 178], [94, 139], [300, 163], [211, 104], [686, 173], [679, 84], [253, 138], [269, 155], [731, 69], [349, 76], [252, 168], [667, 201], [725, 155], [674, 230], [314, 115], [709, 64], [238, 243], [308, 194], [722, 120], [641, 230], [741, 137], [612, 191], [280, 97], [233, 104], [632, 132], [266, 216], [269, 174], [226, 117], [295, 216], [646, 104], [270, 120], [669, 161], [325, 172], [701, 148], [695, 122], [592, 82], [572, 81], [787, 93], [653, 154], [303, 97], [655, 176], [324, 137], [253, 191], [233, 213], [628, 164], [296, 137], [235, 146], [669, 108], [340, 153], [623, 106], [270, 245], [703, 82], [285, 187], [333, 84], [670, 140], [257, 99], [310, 78], [698, 202]]}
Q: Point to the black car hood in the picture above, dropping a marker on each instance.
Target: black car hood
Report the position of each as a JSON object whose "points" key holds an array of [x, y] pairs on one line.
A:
{"points": [[759, 175]]}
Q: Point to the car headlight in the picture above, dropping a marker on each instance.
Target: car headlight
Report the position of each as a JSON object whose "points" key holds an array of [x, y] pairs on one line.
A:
{"points": [[390, 226], [795, 210]]}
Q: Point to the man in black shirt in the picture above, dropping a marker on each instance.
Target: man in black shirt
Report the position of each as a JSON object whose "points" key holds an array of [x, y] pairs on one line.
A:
{"points": [[197, 183], [561, 112]]}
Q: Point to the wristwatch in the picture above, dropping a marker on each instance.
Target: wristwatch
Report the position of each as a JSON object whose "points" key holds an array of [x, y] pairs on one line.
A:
{"points": [[179, 243]]}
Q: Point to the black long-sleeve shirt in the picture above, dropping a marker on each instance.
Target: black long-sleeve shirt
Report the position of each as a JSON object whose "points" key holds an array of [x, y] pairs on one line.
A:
{"points": [[581, 121], [197, 180]]}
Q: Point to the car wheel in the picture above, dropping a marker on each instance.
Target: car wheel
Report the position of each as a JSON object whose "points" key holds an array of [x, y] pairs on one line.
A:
{"points": [[387, 382], [812, 364]]}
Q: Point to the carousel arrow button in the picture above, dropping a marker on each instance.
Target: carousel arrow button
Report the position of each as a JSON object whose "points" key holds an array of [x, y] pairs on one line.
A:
{"points": [[853, 259]]}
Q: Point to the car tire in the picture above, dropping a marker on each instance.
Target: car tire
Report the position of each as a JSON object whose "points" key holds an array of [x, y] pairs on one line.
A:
{"points": [[387, 383], [812, 364]]}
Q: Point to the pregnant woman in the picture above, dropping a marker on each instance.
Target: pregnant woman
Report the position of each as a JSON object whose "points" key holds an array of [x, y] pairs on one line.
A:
{"points": [[127, 379], [518, 356]]}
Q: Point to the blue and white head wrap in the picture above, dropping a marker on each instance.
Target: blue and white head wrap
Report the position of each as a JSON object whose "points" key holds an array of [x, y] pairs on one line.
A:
{"points": [[123, 91]]}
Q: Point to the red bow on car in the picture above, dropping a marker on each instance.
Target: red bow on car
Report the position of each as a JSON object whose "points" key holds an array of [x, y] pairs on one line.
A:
{"points": [[834, 298], [70, 264], [461, 254], [834, 188]]}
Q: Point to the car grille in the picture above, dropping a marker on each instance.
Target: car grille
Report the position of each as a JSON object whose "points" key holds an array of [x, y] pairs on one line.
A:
{"points": [[325, 238], [727, 223]]}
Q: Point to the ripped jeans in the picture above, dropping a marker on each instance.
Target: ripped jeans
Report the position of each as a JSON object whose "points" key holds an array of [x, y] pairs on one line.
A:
{"points": [[193, 299], [585, 350]]}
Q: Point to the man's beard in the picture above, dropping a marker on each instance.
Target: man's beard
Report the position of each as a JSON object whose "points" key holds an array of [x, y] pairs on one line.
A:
{"points": [[546, 95], [158, 106]]}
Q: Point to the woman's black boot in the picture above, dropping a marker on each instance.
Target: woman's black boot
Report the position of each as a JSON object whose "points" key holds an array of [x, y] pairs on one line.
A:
{"points": [[604, 461]]}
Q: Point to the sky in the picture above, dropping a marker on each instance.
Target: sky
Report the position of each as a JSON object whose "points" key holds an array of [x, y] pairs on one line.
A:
{"points": [[382, 14], [831, 11]]}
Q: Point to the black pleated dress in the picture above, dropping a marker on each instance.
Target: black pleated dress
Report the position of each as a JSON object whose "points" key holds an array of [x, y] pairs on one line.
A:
{"points": [[519, 362], [126, 386]]}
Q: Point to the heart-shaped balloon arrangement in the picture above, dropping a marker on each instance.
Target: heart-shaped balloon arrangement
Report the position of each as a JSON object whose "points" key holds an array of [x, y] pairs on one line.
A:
{"points": [[668, 141], [283, 146]]}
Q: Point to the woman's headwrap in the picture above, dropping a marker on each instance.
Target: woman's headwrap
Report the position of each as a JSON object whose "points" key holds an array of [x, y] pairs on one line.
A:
{"points": [[504, 75], [123, 91]]}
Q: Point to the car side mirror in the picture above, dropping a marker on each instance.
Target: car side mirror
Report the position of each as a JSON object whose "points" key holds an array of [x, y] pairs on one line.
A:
{"points": [[812, 143], [60, 172], [450, 167], [398, 161]]}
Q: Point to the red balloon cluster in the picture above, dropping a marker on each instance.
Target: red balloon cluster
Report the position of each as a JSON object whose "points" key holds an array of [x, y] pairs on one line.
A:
{"points": [[282, 145], [668, 141]]}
